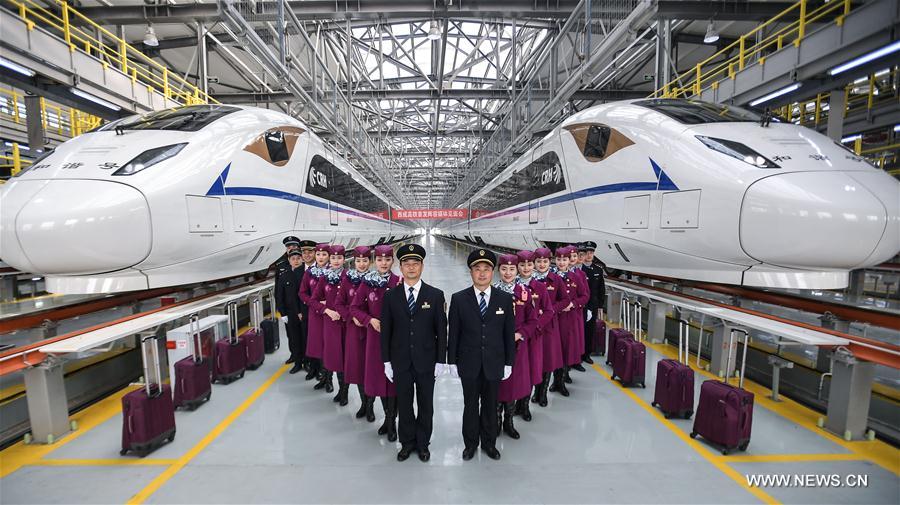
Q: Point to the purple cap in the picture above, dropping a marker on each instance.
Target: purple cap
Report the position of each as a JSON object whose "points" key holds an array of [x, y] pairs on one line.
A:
{"points": [[524, 256], [323, 247], [337, 249], [362, 251], [542, 252], [382, 251], [508, 259], [562, 251]]}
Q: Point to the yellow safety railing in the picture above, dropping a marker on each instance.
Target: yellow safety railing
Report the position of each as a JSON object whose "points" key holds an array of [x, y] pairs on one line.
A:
{"points": [[64, 121], [14, 161], [721, 66], [881, 156], [83, 34]]}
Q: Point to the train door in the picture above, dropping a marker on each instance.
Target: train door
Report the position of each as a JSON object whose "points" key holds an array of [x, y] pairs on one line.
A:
{"points": [[332, 207], [534, 205]]}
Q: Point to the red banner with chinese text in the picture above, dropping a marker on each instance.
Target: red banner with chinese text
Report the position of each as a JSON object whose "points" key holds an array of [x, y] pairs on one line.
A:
{"points": [[402, 214]]}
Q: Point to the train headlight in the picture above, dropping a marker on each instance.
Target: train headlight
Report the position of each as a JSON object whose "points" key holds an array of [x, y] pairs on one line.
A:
{"points": [[149, 158], [738, 151]]}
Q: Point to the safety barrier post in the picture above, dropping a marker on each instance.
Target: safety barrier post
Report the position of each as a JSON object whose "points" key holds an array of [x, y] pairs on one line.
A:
{"points": [[67, 32], [741, 44], [801, 27], [17, 160]]}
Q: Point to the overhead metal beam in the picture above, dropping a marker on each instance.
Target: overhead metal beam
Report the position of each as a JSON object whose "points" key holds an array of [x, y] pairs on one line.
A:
{"points": [[730, 11], [416, 133], [434, 94], [331, 10]]}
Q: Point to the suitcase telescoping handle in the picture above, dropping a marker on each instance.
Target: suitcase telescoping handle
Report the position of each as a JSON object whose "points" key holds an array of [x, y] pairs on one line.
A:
{"points": [[272, 304], [151, 342], [684, 339], [231, 308], [743, 355], [255, 312], [196, 344]]}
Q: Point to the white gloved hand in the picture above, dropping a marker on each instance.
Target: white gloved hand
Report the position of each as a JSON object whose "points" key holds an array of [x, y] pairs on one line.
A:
{"points": [[284, 319], [507, 372], [439, 369], [389, 371], [454, 372], [589, 315]]}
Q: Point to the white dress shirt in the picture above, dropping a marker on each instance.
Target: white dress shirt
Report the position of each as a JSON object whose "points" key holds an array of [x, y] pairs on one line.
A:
{"points": [[416, 287], [487, 295]]}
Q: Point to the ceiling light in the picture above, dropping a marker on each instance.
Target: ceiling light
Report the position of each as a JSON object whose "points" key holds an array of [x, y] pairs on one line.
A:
{"points": [[878, 53], [711, 34], [775, 94], [435, 32], [91, 98], [150, 37], [16, 67]]}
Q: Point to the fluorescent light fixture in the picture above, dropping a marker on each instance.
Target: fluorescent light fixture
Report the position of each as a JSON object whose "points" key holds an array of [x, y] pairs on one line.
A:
{"points": [[897, 128], [15, 67], [851, 138], [775, 94], [435, 32], [711, 34], [96, 100], [150, 37], [874, 55]]}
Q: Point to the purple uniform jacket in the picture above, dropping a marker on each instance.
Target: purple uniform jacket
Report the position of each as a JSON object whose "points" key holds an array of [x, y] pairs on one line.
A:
{"points": [[366, 306], [332, 331], [314, 342], [545, 316], [355, 336], [557, 299], [518, 385], [570, 322]]}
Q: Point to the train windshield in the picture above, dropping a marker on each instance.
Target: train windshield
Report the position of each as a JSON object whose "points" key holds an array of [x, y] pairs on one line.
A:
{"points": [[695, 112], [190, 118]]}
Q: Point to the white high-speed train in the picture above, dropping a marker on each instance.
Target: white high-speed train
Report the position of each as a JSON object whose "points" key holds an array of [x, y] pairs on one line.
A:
{"points": [[180, 196], [695, 190]]}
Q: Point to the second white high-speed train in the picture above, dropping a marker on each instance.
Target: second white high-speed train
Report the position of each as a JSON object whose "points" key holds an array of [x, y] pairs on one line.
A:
{"points": [[695, 190], [180, 196]]}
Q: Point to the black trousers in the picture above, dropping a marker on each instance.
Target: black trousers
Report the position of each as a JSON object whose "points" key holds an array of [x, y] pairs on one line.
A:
{"points": [[414, 429], [294, 334], [589, 330], [480, 411]]}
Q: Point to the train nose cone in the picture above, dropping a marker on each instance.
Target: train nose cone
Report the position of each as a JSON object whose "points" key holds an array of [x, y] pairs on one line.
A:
{"points": [[811, 220], [74, 227]]}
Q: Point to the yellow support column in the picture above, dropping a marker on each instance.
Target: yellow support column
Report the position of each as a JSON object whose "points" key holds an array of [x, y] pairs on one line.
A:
{"points": [[857, 145], [17, 160], [801, 27], [741, 53]]}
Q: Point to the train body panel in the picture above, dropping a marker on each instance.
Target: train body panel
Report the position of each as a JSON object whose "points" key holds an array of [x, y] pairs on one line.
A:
{"points": [[700, 191], [180, 196]]}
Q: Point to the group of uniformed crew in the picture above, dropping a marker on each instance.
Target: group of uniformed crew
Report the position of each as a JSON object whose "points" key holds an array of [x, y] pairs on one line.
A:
{"points": [[389, 335]]}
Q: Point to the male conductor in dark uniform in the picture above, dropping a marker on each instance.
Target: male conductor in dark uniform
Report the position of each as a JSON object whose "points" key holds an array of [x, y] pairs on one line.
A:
{"points": [[282, 267], [597, 288], [481, 351], [414, 349], [291, 307]]}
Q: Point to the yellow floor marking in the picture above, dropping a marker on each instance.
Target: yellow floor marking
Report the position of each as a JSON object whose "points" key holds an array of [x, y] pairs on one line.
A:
{"points": [[105, 462], [208, 439], [19, 454], [876, 451], [788, 458], [716, 461]]}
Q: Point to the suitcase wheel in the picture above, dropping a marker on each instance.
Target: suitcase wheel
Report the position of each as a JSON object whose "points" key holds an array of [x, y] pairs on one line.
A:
{"points": [[744, 446], [725, 451], [123, 452], [654, 404], [688, 414], [644, 386], [693, 434]]}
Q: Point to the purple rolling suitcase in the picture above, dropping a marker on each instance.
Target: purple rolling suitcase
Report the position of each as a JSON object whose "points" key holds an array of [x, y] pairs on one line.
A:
{"points": [[192, 374], [148, 415], [599, 340], [231, 353], [254, 347], [725, 412], [674, 393], [615, 334], [630, 362]]}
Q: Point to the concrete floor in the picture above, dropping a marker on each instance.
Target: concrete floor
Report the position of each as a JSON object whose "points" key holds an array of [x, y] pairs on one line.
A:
{"points": [[286, 443]]}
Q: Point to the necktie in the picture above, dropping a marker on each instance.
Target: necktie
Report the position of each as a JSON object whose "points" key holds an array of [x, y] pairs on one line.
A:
{"points": [[482, 305], [411, 301]]}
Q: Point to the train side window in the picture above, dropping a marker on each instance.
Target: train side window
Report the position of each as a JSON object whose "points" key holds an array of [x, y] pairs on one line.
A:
{"points": [[597, 141], [275, 145]]}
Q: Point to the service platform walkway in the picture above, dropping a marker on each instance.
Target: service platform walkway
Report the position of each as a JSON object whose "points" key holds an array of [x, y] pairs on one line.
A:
{"points": [[269, 438]]}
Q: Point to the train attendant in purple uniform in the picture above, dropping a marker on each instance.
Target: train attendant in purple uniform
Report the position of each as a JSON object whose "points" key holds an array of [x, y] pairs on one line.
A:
{"points": [[332, 325], [518, 385], [314, 343], [366, 309], [582, 298], [544, 316], [355, 332], [569, 318], [557, 300]]}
